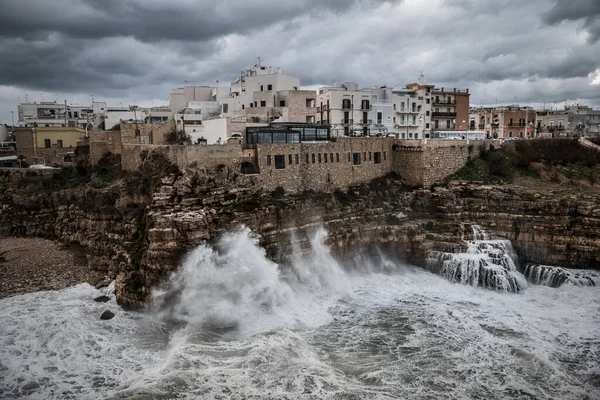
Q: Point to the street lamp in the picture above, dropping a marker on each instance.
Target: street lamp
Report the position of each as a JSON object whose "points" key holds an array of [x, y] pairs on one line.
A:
{"points": [[466, 133], [12, 116]]}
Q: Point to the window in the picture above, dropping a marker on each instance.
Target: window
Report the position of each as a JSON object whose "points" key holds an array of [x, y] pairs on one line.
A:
{"points": [[313, 158], [416, 135], [346, 117], [269, 160], [510, 134], [364, 156], [319, 155], [251, 105], [225, 108], [306, 158], [261, 88], [290, 159], [269, 87], [255, 104], [263, 103], [348, 157], [279, 161], [346, 103], [414, 107], [379, 117], [281, 103], [377, 157], [330, 157], [337, 157], [47, 143], [394, 119], [364, 104], [356, 158], [402, 106], [59, 143], [427, 125], [75, 114], [394, 106], [427, 101], [346, 131], [297, 159], [510, 122], [427, 113], [385, 155], [242, 106], [325, 157], [365, 118], [369, 156]]}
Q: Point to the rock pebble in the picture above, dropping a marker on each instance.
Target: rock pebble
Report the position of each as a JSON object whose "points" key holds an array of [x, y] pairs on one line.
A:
{"points": [[106, 315]]}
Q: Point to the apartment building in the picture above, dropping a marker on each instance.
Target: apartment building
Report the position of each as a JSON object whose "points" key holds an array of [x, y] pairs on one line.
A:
{"points": [[412, 108], [262, 94], [505, 121], [450, 109], [346, 109], [577, 119]]}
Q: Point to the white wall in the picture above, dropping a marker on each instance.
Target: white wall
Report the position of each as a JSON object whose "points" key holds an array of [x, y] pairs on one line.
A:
{"points": [[112, 118], [215, 129]]}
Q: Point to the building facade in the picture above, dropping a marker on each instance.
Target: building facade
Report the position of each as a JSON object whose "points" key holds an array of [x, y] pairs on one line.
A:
{"points": [[346, 109], [47, 145], [512, 121], [450, 109]]}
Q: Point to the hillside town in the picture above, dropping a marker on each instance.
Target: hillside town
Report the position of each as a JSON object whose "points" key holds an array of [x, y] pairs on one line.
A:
{"points": [[265, 106]]}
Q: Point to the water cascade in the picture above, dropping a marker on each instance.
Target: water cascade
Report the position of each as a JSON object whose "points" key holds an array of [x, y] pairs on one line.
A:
{"points": [[490, 263], [555, 276]]}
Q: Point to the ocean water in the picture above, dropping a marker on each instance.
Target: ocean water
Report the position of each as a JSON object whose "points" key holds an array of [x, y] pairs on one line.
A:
{"points": [[231, 325]]}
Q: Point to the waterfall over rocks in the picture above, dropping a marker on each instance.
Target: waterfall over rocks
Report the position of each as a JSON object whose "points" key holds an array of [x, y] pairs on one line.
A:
{"points": [[490, 263], [556, 276]]}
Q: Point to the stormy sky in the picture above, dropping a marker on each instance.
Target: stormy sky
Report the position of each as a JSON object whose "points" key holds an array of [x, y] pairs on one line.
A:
{"points": [[136, 51]]}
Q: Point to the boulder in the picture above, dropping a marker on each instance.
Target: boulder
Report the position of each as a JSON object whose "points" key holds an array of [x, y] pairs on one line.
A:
{"points": [[106, 315], [102, 299]]}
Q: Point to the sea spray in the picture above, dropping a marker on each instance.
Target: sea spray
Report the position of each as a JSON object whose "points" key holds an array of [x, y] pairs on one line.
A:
{"points": [[237, 286]]}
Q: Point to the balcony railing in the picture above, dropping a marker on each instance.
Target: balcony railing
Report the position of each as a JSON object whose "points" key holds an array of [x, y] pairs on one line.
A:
{"points": [[347, 121], [439, 101], [443, 114]]}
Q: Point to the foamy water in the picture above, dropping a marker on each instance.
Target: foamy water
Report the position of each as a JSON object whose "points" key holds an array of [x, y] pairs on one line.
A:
{"points": [[235, 327]]}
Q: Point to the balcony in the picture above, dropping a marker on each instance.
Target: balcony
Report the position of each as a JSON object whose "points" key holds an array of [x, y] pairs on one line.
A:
{"points": [[439, 101], [347, 121], [443, 114]]}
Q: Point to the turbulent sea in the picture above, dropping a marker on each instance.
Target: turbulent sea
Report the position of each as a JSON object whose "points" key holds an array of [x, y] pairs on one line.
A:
{"points": [[231, 325]]}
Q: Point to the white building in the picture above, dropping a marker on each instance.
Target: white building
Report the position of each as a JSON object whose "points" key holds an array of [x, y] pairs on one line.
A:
{"points": [[345, 108], [412, 111], [262, 95], [405, 113]]}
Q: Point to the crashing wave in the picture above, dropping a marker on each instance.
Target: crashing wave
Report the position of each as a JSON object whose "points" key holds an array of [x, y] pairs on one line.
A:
{"points": [[489, 263], [556, 276]]}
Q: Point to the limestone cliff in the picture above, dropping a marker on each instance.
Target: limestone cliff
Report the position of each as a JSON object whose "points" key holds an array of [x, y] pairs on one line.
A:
{"points": [[139, 237]]}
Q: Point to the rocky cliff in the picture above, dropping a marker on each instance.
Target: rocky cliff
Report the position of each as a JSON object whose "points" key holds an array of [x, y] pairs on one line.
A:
{"points": [[139, 236]]}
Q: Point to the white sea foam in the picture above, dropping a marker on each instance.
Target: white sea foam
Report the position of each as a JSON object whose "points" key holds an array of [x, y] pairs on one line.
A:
{"points": [[401, 334]]}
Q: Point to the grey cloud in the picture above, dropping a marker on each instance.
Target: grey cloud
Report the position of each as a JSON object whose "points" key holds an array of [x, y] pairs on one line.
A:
{"points": [[569, 10]]}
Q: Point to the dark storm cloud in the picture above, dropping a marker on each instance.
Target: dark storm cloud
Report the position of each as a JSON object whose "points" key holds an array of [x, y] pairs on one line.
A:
{"points": [[573, 10], [152, 20], [141, 49]]}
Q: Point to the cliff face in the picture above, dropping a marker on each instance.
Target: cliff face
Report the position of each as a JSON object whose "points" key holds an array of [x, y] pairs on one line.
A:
{"points": [[140, 240]]}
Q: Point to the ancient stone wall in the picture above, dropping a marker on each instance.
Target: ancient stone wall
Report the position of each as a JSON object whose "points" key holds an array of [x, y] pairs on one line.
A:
{"points": [[156, 132], [324, 166], [424, 162]]}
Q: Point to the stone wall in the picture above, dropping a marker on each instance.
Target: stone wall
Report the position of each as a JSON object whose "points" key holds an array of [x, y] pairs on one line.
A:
{"points": [[424, 162], [156, 132], [230, 154], [324, 166], [102, 142]]}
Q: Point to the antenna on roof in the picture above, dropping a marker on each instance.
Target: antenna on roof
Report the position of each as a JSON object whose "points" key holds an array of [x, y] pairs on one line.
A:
{"points": [[421, 77], [258, 65]]}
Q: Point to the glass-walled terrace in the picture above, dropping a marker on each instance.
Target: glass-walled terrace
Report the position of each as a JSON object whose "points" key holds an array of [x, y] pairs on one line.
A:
{"points": [[294, 134]]}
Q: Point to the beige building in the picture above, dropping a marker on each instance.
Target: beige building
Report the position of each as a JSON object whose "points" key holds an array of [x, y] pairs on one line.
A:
{"points": [[47, 145]]}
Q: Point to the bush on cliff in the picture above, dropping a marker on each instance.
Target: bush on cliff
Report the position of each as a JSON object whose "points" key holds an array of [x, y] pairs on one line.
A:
{"points": [[155, 166]]}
